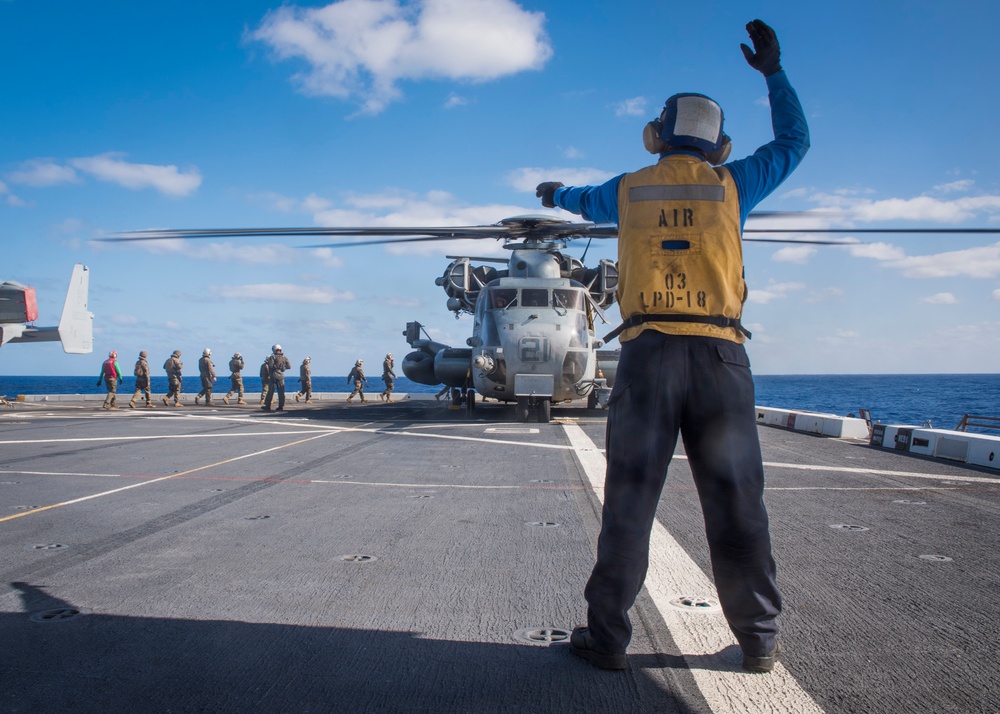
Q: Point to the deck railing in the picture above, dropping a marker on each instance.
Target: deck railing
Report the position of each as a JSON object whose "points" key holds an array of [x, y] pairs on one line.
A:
{"points": [[984, 422]]}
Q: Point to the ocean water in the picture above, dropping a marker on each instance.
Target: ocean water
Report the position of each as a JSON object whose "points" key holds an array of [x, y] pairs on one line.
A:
{"points": [[913, 399]]}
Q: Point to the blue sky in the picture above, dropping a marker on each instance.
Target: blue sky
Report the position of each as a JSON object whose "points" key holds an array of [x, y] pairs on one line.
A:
{"points": [[123, 115]]}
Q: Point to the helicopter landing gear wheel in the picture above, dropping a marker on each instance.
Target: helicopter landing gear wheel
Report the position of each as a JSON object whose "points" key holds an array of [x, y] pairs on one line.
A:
{"points": [[544, 410], [470, 403], [523, 409]]}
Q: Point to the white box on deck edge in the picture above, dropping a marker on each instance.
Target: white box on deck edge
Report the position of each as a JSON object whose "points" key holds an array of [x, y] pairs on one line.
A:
{"points": [[814, 423], [966, 448]]}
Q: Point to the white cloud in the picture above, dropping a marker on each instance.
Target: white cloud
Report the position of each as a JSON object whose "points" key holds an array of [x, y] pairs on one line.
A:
{"points": [[954, 186], [526, 179], [635, 107], [245, 253], [402, 303], [940, 299], [996, 294], [282, 292], [925, 208], [125, 320], [9, 198], [794, 254], [326, 257], [825, 295], [840, 337], [165, 179], [571, 152], [878, 251], [774, 291], [981, 262], [361, 49], [920, 208], [455, 101], [42, 173]]}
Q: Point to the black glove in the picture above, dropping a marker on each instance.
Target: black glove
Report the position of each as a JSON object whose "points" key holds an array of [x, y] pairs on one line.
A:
{"points": [[547, 191], [766, 57], [98, 383], [120, 380]]}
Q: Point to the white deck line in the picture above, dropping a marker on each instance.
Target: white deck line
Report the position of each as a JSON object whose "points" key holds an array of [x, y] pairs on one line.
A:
{"points": [[702, 637]]}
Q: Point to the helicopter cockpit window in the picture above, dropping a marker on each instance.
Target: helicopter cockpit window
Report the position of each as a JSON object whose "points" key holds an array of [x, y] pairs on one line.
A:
{"points": [[534, 297], [502, 297], [569, 299]]}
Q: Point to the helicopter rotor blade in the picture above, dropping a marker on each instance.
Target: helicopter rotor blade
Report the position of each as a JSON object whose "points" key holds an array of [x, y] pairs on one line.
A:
{"points": [[916, 231], [449, 233], [805, 241], [387, 241], [532, 229]]}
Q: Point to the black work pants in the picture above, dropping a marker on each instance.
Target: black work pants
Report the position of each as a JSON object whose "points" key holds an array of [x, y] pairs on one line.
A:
{"points": [[702, 388]]}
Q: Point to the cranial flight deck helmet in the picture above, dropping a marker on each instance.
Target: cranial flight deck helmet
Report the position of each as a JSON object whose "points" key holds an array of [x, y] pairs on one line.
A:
{"points": [[689, 120]]}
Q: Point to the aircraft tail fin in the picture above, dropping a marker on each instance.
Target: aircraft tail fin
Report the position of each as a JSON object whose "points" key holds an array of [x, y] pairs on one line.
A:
{"points": [[76, 326]]}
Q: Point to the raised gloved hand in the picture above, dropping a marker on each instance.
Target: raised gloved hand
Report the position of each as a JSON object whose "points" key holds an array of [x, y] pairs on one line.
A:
{"points": [[766, 54], [547, 191]]}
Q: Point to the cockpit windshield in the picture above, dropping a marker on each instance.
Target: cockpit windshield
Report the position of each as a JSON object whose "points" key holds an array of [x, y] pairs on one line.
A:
{"points": [[534, 297], [569, 299], [560, 298], [501, 298]]}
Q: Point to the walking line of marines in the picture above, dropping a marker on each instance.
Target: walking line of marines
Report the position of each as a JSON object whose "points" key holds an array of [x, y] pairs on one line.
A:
{"points": [[272, 378]]}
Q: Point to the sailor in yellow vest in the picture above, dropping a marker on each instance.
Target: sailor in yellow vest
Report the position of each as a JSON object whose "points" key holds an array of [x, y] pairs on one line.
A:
{"points": [[683, 367]]}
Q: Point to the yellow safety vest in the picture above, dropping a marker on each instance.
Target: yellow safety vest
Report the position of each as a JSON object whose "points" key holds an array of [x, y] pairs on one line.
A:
{"points": [[679, 249]]}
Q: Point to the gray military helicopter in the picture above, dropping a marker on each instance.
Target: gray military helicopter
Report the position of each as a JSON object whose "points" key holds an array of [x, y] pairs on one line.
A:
{"points": [[533, 340], [533, 337], [19, 310]]}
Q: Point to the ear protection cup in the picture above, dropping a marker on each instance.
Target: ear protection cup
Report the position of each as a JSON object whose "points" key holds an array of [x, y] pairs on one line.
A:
{"points": [[719, 156], [651, 138]]}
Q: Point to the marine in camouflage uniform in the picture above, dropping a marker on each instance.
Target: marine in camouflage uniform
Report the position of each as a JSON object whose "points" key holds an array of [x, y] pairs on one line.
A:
{"points": [[358, 376], [236, 365], [207, 371], [173, 367], [389, 377], [277, 363], [265, 378], [111, 375], [305, 378], [141, 373]]}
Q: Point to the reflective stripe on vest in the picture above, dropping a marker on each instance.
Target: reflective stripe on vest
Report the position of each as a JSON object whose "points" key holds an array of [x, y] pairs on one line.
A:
{"points": [[680, 251]]}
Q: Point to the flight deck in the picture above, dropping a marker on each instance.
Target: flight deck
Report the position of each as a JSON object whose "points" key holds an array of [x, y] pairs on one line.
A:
{"points": [[408, 557]]}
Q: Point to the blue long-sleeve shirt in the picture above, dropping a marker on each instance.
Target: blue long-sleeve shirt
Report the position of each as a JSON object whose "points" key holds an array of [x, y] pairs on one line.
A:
{"points": [[756, 176]]}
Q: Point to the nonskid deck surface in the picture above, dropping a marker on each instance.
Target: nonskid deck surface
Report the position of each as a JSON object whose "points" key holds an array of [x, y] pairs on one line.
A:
{"points": [[404, 557]]}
